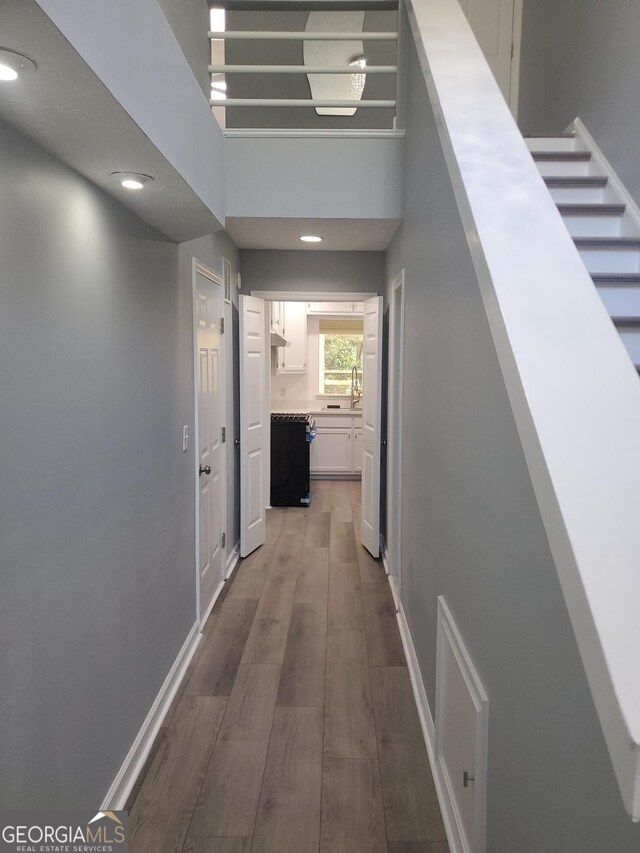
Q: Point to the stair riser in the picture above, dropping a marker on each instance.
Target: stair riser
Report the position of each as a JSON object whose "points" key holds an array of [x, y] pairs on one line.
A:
{"points": [[631, 339], [561, 169], [598, 260], [553, 143], [570, 195], [621, 301], [593, 226]]}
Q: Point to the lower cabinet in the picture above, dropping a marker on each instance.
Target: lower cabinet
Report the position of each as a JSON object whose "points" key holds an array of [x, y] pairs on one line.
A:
{"points": [[337, 450], [356, 451]]}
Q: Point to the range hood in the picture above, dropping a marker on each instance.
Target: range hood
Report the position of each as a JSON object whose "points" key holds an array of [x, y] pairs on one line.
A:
{"points": [[279, 341]]}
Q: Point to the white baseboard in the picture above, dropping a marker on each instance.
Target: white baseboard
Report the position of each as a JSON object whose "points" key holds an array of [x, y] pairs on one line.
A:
{"points": [[125, 779], [232, 561], [392, 578], [429, 733]]}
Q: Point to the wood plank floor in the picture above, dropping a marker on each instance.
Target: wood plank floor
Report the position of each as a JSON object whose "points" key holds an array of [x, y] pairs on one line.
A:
{"points": [[295, 730]]}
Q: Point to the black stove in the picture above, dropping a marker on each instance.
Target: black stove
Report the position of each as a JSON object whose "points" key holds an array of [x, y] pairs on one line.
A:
{"points": [[290, 417], [291, 435]]}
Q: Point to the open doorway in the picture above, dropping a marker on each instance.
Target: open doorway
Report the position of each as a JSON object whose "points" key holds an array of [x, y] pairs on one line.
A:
{"points": [[321, 404]]}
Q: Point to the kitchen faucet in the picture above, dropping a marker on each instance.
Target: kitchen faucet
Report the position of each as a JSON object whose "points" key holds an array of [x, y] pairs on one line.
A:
{"points": [[355, 387]]}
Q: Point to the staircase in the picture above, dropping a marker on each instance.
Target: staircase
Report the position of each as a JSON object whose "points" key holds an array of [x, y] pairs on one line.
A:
{"points": [[603, 221]]}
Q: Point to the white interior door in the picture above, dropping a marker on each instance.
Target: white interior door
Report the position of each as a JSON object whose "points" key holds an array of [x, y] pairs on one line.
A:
{"points": [[211, 403], [371, 424], [254, 434], [492, 23]]}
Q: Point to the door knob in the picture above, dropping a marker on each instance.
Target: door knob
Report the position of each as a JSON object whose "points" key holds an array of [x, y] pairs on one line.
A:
{"points": [[205, 469]]}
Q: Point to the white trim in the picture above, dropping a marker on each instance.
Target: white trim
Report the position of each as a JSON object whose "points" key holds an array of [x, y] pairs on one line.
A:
{"points": [[232, 561], [312, 296], [428, 731], [392, 578], [126, 776], [199, 269], [449, 639], [395, 426], [231, 564], [281, 133], [305, 35], [615, 183]]}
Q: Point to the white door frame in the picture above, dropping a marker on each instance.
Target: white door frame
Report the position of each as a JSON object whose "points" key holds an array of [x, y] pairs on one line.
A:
{"points": [[516, 41], [306, 296], [395, 399], [214, 278]]}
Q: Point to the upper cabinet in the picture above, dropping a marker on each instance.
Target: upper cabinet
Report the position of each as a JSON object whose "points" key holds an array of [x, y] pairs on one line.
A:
{"points": [[293, 327], [340, 309], [276, 317]]}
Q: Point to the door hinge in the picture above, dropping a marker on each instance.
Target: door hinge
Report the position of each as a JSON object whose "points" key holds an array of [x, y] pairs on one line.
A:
{"points": [[222, 325], [223, 434], [224, 539]]}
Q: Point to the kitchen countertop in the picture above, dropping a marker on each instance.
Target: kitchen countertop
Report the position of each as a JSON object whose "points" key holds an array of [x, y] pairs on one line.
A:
{"points": [[311, 407]]}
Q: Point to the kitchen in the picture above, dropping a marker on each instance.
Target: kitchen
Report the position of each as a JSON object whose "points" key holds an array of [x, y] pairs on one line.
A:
{"points": [[319, 373], [321, 387]]}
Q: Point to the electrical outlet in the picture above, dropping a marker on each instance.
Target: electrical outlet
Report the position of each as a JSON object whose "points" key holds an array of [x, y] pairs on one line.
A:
{"points": [[185, 437]]}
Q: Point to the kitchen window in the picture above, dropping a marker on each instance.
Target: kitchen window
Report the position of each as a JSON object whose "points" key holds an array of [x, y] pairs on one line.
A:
{"points": [[340, 350]]}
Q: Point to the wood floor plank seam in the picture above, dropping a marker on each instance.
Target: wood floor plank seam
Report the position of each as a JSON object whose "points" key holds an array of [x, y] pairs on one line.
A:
{"points": [[375, 792]]}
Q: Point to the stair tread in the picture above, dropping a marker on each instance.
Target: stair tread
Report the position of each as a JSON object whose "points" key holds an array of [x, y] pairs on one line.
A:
{"points": [[566, 156], [620, 278], [578, 182], [595, 209], [607, 242]]}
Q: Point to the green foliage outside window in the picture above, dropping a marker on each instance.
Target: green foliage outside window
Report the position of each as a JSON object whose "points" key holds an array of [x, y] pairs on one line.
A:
{"points": [[341, 353]]}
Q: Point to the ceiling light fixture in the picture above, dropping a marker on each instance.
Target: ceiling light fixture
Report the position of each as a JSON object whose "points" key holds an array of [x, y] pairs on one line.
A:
{"points": [[311, 238], [132, 180], [13, 64]]}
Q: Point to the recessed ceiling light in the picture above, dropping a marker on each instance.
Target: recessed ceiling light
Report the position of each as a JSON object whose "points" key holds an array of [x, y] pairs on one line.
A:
{"points": [[132, 180], [13, 64], [311, 238]]}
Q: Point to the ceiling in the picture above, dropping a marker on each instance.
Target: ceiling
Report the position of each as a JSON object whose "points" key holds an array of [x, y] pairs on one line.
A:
{"points": [[339, 235], [65, 108]]}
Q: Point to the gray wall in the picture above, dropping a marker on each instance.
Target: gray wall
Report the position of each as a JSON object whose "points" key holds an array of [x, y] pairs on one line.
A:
{"points": [[340, 272], [471, 531], [297, 86], [210, 251], [189, 20], [289, 178], [581, 58], [97, 563]]}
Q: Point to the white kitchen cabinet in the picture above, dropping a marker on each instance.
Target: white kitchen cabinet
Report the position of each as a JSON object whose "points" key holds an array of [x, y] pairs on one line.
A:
{"points": [[335, 309], [331, 451], [337, 447], [276, 317], [356, 451], [293, 358]]}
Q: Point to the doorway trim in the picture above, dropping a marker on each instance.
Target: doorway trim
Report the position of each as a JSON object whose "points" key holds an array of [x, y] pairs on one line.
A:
{"points": [[395, 401], [200, 269]]}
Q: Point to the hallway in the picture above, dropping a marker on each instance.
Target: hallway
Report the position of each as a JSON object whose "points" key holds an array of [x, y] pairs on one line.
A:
{"points": [[296, 729]]}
